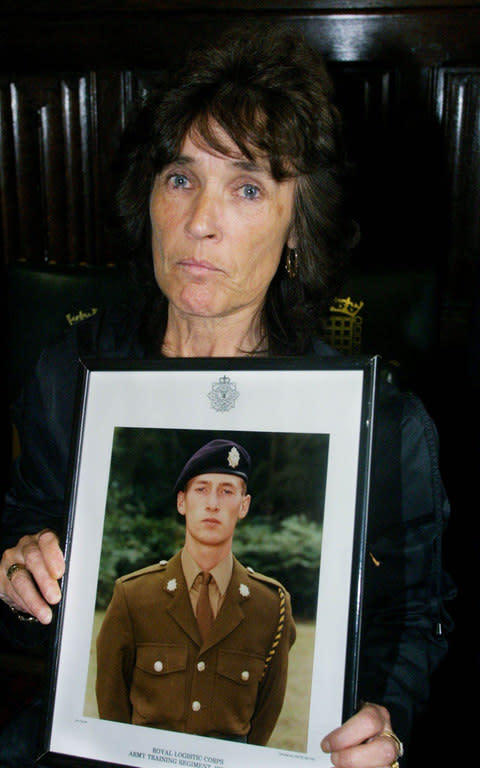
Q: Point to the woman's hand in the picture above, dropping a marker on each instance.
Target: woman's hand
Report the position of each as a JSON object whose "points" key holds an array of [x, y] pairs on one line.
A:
{"points": [[366, 740], [32, 586]]}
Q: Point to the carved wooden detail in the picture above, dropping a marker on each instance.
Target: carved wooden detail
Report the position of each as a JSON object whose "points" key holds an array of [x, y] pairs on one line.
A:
{"points": [[48, 157], [458, 108]]}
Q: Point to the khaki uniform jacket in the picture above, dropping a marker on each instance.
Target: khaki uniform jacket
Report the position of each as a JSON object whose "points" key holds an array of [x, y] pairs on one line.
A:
{"points": [[153, 670]]}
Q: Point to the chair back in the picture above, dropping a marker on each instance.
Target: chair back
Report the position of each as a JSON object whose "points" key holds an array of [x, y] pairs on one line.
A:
{"points": [[42, 301]]}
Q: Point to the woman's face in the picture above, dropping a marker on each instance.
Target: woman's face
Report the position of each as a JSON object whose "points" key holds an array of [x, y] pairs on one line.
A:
{"points": [[219, 225]]}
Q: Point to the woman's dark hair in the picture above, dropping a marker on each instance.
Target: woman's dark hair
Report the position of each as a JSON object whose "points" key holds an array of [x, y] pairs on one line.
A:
{"points": [[271, 94]]}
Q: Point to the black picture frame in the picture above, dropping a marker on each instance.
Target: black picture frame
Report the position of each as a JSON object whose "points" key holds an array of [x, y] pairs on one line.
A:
{"points": [[326, 407]]}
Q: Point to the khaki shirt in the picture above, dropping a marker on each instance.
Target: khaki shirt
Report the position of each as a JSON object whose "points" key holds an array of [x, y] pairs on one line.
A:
{"points": [[222, 573], [154, 670]]}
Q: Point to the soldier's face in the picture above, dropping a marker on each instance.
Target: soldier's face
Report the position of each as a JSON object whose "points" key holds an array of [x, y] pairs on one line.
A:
{"points": [[212, 504]]}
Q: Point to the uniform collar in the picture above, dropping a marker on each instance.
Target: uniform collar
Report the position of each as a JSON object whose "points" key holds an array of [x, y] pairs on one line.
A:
{"points": [[222, 572]]}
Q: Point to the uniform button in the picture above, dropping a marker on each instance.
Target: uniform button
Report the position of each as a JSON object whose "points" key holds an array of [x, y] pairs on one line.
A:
{"points": [[196, 706], [158, 666], [201, 666], [245, 675]]}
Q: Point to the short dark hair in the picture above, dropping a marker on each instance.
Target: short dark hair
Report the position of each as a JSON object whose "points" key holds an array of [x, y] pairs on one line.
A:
{"points": [[271, 94]]}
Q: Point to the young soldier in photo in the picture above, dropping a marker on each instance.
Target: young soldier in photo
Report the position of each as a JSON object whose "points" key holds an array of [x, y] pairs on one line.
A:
{"points": [[199, 644]]}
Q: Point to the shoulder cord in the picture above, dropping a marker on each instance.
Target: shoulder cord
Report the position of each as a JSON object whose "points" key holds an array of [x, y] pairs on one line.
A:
{"points": [[278, 632]]}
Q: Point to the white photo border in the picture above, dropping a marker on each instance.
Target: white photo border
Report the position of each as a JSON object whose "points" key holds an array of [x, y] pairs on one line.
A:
{"points": [[327, 396]]}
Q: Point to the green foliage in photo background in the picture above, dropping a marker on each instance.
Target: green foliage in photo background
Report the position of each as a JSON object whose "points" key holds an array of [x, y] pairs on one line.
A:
{"points": [[280, 537]]}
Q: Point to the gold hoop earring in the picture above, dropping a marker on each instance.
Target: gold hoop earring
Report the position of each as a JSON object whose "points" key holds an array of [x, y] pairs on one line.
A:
{"points": [[291, 263]]}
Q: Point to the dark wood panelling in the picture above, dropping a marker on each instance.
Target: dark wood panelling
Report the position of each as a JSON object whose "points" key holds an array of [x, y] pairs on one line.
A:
{"points": [[458, 105], [48, 153], [149, 38], [9, 217], [42, 7]]}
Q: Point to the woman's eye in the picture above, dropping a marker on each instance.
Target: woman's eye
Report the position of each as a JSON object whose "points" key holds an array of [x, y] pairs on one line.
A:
{"points": [[178, 180], [250, 191]]}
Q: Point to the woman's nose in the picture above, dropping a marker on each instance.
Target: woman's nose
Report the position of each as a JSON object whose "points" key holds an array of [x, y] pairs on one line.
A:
{"points": [[204, 215]]}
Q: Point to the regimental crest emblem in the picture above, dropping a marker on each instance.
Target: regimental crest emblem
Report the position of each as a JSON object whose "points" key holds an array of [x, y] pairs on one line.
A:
{"points": [[223, 394], [233, 458]]}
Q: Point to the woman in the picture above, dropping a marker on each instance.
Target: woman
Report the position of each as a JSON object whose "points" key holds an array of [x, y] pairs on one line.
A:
{"points": [[235, 184]]}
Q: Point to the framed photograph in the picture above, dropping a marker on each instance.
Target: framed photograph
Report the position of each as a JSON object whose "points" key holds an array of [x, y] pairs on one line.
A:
{"points": [[256, 472]]}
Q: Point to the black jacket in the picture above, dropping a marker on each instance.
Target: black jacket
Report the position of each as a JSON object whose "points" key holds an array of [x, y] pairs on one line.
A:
{"points": [[404, 626]]}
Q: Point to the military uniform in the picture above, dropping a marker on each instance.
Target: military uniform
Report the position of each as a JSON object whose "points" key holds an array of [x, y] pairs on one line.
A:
{"points": [[153, 669]]}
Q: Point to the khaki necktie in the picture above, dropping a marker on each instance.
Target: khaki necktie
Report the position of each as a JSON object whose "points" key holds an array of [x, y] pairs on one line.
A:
{"points": [[204, 609]]}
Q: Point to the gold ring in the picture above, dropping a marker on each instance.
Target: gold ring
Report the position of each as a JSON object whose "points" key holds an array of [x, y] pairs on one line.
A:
{"points": [[391, 735], [26, 616], [395, 764], [14, 568]]}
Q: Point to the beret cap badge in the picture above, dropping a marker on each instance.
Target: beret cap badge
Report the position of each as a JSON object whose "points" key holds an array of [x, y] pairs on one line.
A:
{"points": [[233, 458]]}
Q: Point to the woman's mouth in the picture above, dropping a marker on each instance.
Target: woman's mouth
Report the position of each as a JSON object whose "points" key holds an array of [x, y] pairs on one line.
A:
{"points": [[198, 267]]}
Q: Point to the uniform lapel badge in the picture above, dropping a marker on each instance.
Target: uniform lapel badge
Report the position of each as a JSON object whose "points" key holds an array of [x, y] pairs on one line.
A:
{"points": [[244, 590], [172, 585], [223, 394]]}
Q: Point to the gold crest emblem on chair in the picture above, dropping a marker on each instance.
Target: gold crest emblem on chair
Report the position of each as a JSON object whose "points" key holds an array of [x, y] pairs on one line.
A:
{"points": [[343, 329]]}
